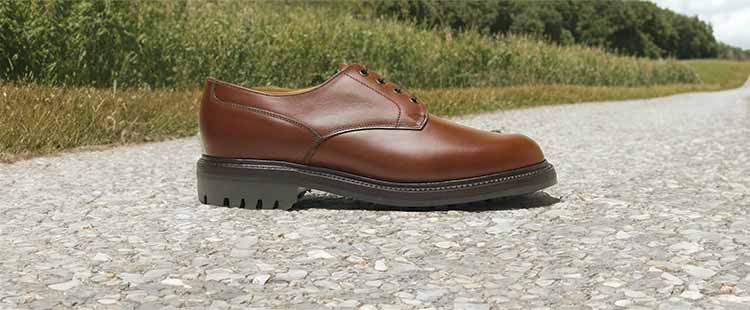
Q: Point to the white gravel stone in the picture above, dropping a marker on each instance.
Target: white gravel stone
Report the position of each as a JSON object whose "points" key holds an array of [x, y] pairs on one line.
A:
{"points": [[380, 265], [499, 229], [261, 279], [291, 275], [64, 286], [265, 267], [246, 242], [686, 247], [132, 278], [101, 257], [173, 282], [502, 225], [351, 303], [136, 296], [613, 283], [623, 302], [470, 306], [328, 284], [107, 301], [692, 295], [671, 279], [611, 202], [219, 304], [155, 274], [622, 235], [319, 254], [446, 244], [240, 253], [641, 217], [430, 295], [634, 294], [292, 236], [221, 274], [734, 299], [544, 283], [698, 272]]}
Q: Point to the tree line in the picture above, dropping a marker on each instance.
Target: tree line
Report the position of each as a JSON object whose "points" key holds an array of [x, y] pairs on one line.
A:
{"points": [[636, 28]]}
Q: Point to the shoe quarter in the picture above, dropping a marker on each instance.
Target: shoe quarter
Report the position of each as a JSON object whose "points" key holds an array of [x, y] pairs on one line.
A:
{"points": [[346, 102]]}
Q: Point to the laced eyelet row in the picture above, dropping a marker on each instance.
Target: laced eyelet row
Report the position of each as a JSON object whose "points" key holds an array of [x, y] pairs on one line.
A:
{"points": [[381, 81]]}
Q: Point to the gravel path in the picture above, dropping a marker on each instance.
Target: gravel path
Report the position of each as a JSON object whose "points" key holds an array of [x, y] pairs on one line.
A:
{"points": [[651, 211]]}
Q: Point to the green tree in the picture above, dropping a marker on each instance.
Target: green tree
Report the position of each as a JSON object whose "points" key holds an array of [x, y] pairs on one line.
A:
{"points": [[636, 28]]}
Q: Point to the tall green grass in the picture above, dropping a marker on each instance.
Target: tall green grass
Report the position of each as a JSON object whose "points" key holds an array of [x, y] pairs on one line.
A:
{"points": [[178, 43]]}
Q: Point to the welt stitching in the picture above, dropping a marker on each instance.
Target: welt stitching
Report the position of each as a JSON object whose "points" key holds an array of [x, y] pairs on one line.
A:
{"points": [[393, 188], [265, 112], [449, 187]]}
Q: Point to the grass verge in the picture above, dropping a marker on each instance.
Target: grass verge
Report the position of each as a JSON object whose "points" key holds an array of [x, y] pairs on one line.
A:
{"points": [[725, 73], [462, 101], [38, 120]]}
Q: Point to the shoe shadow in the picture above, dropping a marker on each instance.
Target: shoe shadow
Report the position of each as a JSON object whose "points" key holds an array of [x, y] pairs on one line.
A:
{"points": [[534, 200]]}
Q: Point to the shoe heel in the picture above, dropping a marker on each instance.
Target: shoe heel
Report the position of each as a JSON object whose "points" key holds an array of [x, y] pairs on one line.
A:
{"points": [[248, 194]]}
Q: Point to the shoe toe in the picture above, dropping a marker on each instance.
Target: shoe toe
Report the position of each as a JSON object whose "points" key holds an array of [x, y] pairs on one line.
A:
{"points": [[513, 151]]}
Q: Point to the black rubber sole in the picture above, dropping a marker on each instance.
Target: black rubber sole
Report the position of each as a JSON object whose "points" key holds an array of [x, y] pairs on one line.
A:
{"points": [[266, 184]]}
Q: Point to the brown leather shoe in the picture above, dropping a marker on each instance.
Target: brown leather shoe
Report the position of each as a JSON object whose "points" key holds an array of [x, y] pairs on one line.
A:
{"points": [[355, 135]]}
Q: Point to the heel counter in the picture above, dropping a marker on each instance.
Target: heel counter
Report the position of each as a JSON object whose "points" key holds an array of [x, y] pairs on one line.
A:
{"points": [[204, 123], [232, 126]]}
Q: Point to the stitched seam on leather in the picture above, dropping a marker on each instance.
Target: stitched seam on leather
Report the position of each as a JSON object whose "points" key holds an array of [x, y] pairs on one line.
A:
{"points": [[398, 118], [264, 112], [315, 147], [424, 119], [313, 150], [391, 188], [338, 130], [368, 126]]}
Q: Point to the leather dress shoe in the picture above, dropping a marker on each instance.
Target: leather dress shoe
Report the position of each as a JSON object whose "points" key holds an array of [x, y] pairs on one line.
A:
{"points": [[356, 135]]}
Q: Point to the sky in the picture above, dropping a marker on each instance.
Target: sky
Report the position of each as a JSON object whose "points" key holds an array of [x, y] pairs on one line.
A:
{"points": [[729, 18]]}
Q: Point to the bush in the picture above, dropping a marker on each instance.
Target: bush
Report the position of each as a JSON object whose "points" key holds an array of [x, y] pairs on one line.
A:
{"points": [[179, 43]]}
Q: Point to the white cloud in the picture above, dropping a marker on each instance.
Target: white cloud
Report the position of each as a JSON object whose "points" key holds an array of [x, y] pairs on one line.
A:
{"points": [[729, 18]]}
